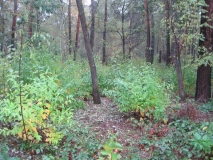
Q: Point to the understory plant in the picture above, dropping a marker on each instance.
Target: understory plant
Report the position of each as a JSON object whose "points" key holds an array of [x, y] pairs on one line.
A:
{"points": [[140, 90], [184, 140], [36, 112]]}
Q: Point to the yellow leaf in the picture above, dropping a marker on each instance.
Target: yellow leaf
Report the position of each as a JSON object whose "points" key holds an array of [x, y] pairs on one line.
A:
{"points": [[34, 129], [137, 109], [204, 128], [47, 111], [48, 105], [141, 119], [142, 114], [30, 137], [39, 103], [165, 121], [44, 116], [20, 135]]}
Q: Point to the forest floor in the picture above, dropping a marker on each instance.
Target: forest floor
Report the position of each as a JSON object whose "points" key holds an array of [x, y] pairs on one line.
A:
{"points": [[105, 120]]}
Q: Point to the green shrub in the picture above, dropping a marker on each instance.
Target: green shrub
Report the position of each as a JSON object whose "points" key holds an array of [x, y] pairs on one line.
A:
{"points": [[184, 140], [140, 90], [47, 109]]}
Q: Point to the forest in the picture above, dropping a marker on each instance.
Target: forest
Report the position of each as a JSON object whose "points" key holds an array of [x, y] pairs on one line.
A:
{"points": [[106, 79]]}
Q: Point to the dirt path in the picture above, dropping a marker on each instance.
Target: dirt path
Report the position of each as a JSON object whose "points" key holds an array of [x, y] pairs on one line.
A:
{"points": [[104, 119]]}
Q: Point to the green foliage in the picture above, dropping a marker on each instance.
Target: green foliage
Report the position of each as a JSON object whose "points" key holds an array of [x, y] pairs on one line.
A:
{"points": [[47, 109], [110, 149], [80, 143], [4, 153], [140, 90], [185, 140], [207, 107]]}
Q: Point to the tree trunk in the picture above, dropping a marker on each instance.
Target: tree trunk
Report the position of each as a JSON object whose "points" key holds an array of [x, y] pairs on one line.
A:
{"points": [[147, 54], [153, 39], [104, 34], [14, 25], [95, 91], [92, 29], [70, 28], [168, 55], [3, 25], [179, 73], [30, 21], [130, 33], [203, 83], [122, 30], [76, 37]]}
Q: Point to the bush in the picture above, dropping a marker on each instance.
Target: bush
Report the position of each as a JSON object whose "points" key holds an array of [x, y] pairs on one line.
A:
{"points": [[40, 112], [140, 90]]}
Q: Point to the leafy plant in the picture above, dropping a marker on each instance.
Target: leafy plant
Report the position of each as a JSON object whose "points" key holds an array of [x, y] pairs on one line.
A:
{"points": [[4, 153], [184, 140], [45, 110], [110, 149], [140, 90]]}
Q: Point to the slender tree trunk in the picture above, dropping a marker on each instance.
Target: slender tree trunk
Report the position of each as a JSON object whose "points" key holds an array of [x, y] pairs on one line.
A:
{"points": [[104, 34], [179, 72], [153, 39], [38, 21], [179, 46], [14, 25], [203, 83], [95, 91], [77, 37], [168, 55], [30, 21], [147, 54], [70, 28], [122, 30], [92, 29], [3, 25], [160, 56], [130, 32]]}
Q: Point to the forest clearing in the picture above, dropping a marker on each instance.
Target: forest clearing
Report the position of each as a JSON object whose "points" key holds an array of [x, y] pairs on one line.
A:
{"points": [[106, 80]]}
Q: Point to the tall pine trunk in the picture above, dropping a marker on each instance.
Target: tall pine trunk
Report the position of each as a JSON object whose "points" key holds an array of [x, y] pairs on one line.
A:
{"points": [[130, 34], [30, 20], [76, 37], [14, 25], [147, 53], [92, 29], [95, 91], [104, 34], [2, 26], [122, 30], [70, 28], [152, 39], [203, 83], [168, 55]]}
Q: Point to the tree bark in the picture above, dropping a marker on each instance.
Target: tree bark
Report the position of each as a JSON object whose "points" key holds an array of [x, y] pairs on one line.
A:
{"points": [[122, 30], [130, 33], [14, 25], [3, 25], [92, 29], [95, 91], [152, 39], [203, 83], [30, 21], [104, 34], [168, 54], [76, 37], [70, 28], [147, 54], [179, 45]]}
